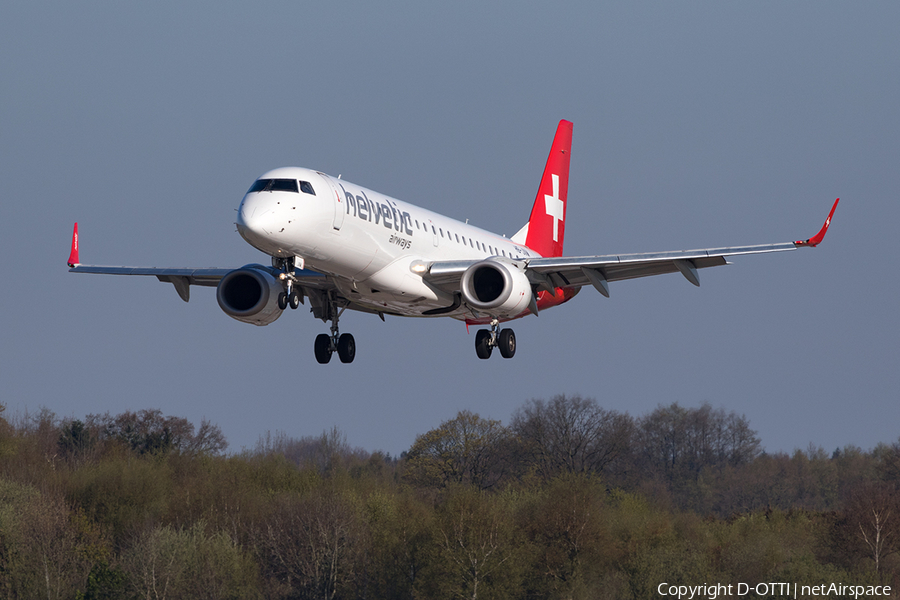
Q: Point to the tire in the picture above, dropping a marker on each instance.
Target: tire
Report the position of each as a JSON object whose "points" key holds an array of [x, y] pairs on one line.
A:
{"points": [[294, 299], [483, 347], [507, 343], [323, 348], [346, 348], [282, 301]]}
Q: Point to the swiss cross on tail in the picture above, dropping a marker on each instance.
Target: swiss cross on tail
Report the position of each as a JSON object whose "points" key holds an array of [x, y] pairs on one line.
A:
{"points": [[547, 225]]}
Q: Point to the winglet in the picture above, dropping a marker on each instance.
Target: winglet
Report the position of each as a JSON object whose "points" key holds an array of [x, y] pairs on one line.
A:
{"points": [[817, 239], [73, 255]]}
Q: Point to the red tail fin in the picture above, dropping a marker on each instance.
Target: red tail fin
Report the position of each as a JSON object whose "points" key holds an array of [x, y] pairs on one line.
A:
{"points": [[547, 225]]}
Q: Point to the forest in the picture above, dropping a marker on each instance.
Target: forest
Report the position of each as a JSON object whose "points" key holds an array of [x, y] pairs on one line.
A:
{"points": [[566, 500]]}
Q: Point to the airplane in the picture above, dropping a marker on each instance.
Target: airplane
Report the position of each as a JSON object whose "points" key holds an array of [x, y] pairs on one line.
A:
{"points": [[343, 246]]}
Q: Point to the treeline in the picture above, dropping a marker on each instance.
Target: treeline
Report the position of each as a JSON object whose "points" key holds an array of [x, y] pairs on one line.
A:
{"points": [[568, 500]]}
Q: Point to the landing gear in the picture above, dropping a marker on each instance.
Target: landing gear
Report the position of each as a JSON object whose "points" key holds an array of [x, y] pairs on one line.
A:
{"points": [[291, 296], [486, 340], [483, 345], [507, 343], [343, 344], [346, 348], [323, 348]]}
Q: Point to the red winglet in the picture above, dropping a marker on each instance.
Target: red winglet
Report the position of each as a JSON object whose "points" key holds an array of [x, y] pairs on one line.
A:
{"points": [[817, 239], [73, 255]]}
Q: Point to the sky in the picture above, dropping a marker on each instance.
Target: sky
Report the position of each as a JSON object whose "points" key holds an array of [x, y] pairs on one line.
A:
{"points": [[696, 124]]}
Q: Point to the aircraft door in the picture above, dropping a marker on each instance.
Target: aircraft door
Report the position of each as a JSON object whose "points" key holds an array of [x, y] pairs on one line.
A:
{"points": [[339, 204]]}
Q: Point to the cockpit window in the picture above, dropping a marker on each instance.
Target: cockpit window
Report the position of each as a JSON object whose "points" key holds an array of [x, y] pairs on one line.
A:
{"points": [[274, 185], [307, 188]]}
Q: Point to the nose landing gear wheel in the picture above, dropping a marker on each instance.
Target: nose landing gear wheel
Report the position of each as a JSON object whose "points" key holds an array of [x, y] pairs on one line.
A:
{"points": [[346, 348], [282, 301], [323, 348], [293, 299]]}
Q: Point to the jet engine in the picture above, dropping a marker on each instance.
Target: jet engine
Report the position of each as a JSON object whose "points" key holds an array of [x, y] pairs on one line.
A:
{"points": [[250, 295], [496, 288]]}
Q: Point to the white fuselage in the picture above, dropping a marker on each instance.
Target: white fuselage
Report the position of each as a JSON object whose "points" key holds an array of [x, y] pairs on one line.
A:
{"points": [[367, 241]]}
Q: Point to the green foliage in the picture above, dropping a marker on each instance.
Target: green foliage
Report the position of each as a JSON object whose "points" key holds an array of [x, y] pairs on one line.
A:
{"points": [[189, 563], [565, 525], [74, 439], [123, 494], [570, 502], [480, 550], [103, 583], [7, 434], [41, 551], [464, 450], [403, 557]]}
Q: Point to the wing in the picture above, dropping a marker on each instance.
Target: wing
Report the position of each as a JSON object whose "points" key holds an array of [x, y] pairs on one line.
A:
{"points": [[183, 278], [561, 272]]}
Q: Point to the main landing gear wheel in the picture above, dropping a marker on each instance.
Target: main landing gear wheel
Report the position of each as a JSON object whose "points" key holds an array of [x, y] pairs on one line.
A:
{"points": [[326, 344], [486, 340], [323, 348], [483, 346], [507, 343], [346, 348]]}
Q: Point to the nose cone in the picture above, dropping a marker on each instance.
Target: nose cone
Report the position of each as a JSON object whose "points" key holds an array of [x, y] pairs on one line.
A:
{"points": [[258, 220]]}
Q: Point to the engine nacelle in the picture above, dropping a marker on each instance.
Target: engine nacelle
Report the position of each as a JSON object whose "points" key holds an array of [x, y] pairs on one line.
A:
{"points": [[496, 288], [250, 295]]}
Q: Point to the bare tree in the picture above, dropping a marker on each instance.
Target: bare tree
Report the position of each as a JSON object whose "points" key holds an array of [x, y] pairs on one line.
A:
{"points": [[150, 432], [311, 545], [872, 516], [571, 434], [325, 452], [477, 543], [678, 441], [40, 549]]}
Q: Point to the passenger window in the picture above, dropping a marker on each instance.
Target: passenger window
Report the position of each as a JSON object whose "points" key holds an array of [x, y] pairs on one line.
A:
{"points": [[457, 237]]}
